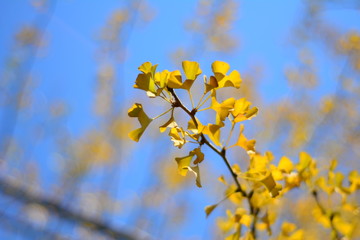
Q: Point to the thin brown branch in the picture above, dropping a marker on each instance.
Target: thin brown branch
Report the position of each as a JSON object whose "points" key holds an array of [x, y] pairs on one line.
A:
{"points": [[221, 153]]}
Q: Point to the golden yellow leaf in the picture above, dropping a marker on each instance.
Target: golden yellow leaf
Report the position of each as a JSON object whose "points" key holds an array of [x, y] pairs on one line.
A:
{"points": [[177, 136], [333, 165], [162, 78], [213, 131], [169, 124], [304, 161], [137, 111], [287, 228], [192, 70], [222, 109], [298, 235], [222, 180], [209, 209], [211, 84], [242, 110], [175, 80], [345, 228], [285, 165], [146, 82], [246, 220], [147, 67], [183, 164], [199, 155], [247, 145], [232, 80], [220, 70], [196, 171], [271, 185]]}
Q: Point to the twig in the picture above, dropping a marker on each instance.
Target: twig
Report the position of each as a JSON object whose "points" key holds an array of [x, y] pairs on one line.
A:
{"points": [[221, 153], [336, 234]]}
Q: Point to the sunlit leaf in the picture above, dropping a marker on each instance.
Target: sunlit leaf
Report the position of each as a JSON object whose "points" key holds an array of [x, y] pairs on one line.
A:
{"points": [[196, 171], [199, 155], [183, 164], [177, 136], [242, 110], [285, 165], [304, 161], [222, 109], [191, 70], [271, 185], [220, 70], [146, 83], [175, 80], [247, 145], [169, 124], [137, 111], [162, 78], [147, 67], [213, 131]]}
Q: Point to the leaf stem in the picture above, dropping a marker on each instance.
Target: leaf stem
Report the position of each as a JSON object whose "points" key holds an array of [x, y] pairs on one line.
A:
{"points": [[207, 98], [335, 233], [163, 113]]}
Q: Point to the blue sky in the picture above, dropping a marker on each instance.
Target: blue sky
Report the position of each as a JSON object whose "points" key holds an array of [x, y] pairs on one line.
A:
{"points": [[65, 69]]}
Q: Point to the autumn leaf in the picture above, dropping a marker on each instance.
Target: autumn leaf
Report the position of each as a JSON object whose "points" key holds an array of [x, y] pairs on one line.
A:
{"points": [[247, 145], [169, 124], [177, 135], [145, 81], [209, 209], [191, 70], [220, 70], [137, 111]]}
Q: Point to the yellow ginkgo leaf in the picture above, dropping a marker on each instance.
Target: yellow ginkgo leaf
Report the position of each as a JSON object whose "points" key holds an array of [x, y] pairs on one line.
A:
{"points": [[175, 80], [285, 165], [147, 67], [287, 228], [183, 164], [191, 70], [145, 82], [213, 131], [209, 209], [222, 180], [220, 70], [211, 84], [333, 165], [162, 78], [247, 145], [169, 124], [259, 163], [195, 128], [271, 185], [246, 220], [199, 155], [242, 110], [344, 227], [196, 171], [137, 111], [232, 80], [304, 161], [222, 109], [177, 135]]}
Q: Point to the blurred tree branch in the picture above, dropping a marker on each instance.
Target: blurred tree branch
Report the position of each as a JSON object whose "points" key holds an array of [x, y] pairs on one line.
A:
{"points": [[28, 197]]}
